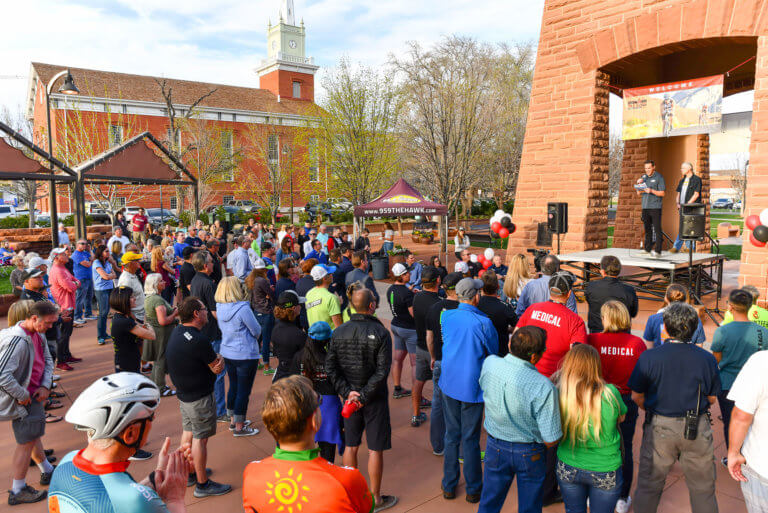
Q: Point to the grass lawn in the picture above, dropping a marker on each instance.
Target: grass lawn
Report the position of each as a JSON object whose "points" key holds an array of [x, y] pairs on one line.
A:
{"points": [[476, 244], [5, 280], [731, 251]]}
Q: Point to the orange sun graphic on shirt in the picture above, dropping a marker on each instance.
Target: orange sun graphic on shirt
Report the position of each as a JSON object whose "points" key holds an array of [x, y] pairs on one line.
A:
{"points": [[288, 492]]}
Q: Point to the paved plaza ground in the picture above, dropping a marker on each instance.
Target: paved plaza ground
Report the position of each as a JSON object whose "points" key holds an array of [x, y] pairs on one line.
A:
{"points": [[411, 471]]}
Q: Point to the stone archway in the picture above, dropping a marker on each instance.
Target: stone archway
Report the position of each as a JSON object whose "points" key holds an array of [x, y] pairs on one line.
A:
{"points": [[588, 47]]}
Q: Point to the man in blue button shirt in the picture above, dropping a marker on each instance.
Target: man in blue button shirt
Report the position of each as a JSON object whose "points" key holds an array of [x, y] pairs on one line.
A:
{"points": [[468, 338], [537, 291], [82, 260], [522, 418]]}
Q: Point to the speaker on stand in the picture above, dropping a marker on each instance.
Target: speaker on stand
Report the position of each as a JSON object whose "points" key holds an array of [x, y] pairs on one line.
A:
{"points": [[693, 217], [557, 219]]}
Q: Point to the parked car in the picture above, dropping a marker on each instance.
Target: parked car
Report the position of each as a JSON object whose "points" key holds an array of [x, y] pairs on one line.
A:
{"points": [[246, 205], [321, 207], [340, 204], [130, 212], [161, 216], [723, 203], [7, 211], [737, 206]]}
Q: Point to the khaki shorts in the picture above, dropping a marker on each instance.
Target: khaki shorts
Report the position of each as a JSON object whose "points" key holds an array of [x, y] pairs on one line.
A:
{"points": [[199, 417], [139, 237]]}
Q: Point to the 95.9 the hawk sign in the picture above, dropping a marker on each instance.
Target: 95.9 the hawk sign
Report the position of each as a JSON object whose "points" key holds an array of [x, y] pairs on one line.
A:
{"points": [[676, 108]]}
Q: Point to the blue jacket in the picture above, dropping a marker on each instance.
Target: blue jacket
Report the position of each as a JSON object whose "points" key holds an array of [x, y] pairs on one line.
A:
{"points": [[240, 331], [468, 338], [322, 258]]}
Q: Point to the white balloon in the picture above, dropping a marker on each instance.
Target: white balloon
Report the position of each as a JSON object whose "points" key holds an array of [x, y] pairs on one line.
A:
{"points": [[488, 253], [764, 217], [473, 258], [498, 213]]}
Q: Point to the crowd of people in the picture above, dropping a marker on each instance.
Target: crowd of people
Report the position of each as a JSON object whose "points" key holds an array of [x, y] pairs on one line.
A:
{"points": [[196, 314]]}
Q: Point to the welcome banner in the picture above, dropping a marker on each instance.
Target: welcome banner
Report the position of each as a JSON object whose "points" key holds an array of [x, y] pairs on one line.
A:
{"points": [[676, 108]]}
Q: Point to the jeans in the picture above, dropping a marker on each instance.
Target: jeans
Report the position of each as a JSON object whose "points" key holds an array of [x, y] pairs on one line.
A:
{"points": [[388, 245], [267, 322], [102, 298], [679, 243], [84, 299], [627, 428], [577, 485], [462, 422], [504, 460], [437, 419], [241, 375], [651, 218], [726, 408], [218, 386]]}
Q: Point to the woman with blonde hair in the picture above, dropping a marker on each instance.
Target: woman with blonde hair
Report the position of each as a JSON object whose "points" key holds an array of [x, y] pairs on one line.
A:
{"points": [[17, 281], [117, 256], [619, 351], [263, 303], [163, 318], [518, 275], [589, 454], [158, 265], [655, 334], [240, 333], [19, 311]]}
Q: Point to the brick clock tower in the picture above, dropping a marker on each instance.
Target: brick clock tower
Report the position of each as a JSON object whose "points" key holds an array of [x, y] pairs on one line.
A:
{"points": [[287, 71]]}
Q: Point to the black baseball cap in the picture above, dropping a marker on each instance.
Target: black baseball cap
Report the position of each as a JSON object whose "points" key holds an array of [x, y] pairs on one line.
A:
{"points": [[451, 279], [429, 274], [289, 299], [561, 283], [32, 272], [266, 245]]}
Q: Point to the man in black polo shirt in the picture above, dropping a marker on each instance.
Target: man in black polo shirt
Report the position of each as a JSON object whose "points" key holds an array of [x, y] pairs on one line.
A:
{"points": [[500, 313], [422, 301], [600, 291], [434, 339], [193, 366], [202, 287], [670, 382], [187, 270]]}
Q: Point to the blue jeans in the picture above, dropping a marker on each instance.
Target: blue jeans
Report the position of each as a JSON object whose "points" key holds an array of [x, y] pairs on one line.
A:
{"points": [[388, 245], [241, 375], [679, 244], [504, 460], [577, 485], [627, 428], [267, 322], [102, 298], [84, 299], [462, 422], [437, 419], [218, 387]]}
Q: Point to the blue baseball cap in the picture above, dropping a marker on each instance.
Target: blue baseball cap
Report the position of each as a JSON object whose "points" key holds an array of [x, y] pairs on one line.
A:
{"points": [[320, 330]]}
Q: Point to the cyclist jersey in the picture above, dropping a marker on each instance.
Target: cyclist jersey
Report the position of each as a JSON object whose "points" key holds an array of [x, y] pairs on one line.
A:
{"points": [[79, 486]]}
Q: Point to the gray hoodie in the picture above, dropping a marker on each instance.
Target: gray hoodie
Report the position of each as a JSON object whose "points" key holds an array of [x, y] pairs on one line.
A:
{"points": [[17, 356]]}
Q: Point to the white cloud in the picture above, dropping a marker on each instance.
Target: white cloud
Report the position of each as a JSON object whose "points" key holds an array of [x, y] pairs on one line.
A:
{"points": [[224, 41]]}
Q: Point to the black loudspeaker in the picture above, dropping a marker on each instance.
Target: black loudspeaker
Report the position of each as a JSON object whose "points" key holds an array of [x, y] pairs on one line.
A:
{"points": [[557, 217], [693, 221], [543, 235]]}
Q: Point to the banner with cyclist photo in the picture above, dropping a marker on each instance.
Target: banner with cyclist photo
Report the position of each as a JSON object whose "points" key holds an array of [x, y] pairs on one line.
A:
{"points": [[677, 108]]}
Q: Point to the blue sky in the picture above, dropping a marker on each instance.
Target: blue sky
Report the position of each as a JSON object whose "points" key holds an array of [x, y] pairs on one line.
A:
{"points": [[223, 41]]}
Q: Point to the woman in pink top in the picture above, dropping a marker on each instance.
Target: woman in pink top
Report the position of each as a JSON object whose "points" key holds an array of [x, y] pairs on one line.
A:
{"points": [[63, 287]]}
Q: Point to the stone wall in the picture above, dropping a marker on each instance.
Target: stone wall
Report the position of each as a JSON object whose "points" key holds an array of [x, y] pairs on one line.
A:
{"points": [[628, 230], [39, 239]]}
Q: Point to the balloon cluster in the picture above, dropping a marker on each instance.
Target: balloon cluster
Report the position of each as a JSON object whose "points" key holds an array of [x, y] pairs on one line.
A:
{"points": [[501, 224], [486, 260], [759, 227]]}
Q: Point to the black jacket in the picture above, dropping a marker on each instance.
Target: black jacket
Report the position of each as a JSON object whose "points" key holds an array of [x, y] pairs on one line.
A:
{"points": [[359, 358], [600, 291]]}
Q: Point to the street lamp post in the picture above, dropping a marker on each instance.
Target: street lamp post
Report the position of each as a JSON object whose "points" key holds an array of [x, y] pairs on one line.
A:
{"points": [[288, 151], [67, 88]]}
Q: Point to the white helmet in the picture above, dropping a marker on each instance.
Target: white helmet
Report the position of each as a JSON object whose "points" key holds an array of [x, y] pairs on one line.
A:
{"points": [[112, 403]]}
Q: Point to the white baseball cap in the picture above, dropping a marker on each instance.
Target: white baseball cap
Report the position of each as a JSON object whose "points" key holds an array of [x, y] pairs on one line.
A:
{"points": [[461, 267], [259, 264], [320, 271], [399, 269], [37, 262]]}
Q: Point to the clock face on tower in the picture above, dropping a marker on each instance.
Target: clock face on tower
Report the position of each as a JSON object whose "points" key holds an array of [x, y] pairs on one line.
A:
{"points": [[292, 43]]}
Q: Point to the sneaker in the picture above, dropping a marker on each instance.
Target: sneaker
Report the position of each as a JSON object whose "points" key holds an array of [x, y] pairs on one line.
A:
{"points": [[246, 423], [64, 367], [56, 377], [108, 338], [45, 477], [141, 455], [655, 254], [72, 359], [386, 502], [91, 318], [211, 488], [473, 498], [425, 403], [78, 321], [246, 431], [438, 453], [449, 495], [622, 505], [269, 372], [224, 418], [400, 392], [26, 495], [101, 341], [167, 392], [192, 478], [146, 369], [419, 419]]}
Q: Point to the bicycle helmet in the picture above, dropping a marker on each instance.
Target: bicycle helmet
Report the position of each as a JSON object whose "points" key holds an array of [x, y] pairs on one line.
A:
{"points": [[112, 403]]}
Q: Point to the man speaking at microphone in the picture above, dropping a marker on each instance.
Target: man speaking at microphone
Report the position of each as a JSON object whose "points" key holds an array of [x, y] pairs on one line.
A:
{"points": [[651, 187]]}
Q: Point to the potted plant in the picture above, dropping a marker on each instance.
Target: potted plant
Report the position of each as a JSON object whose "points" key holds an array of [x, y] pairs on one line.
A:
{"points": [[423, 236]]}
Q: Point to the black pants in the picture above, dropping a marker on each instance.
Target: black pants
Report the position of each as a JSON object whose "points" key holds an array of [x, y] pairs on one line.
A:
{"points": [[652, 222], [726, 408], [62, 342], [627, 428], [327, 451]]}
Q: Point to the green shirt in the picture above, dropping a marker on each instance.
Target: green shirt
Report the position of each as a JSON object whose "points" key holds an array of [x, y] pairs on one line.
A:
{"points": [[321, 305], [756, 314], [737, 341], [604, 454]]}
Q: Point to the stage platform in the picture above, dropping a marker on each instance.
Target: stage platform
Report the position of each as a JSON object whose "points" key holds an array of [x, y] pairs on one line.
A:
{"points": [[701, 272]]}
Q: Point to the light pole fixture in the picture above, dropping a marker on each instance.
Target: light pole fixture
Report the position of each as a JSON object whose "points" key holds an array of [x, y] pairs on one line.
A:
{"points": [[288, 152], [68, 88]]}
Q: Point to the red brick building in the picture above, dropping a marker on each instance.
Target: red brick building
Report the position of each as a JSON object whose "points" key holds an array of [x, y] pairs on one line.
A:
{"points": [[588, 49], [262, 125]]}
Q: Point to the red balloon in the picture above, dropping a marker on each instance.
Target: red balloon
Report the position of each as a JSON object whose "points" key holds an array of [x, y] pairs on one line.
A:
{"points": [[752, 222], [481, 273], [487, 264], [496, 226], [503, 233], [755, 242], [481, 259]]}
